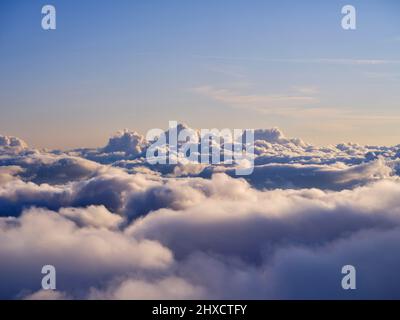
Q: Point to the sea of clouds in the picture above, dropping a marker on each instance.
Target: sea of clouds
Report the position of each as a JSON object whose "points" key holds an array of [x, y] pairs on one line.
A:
{"points": [[116, 227]]}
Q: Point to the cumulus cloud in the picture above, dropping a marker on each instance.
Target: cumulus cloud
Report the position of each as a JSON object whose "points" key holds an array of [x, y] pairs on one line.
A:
{"points": [[275, 135], [9, 142], [129, 142]]}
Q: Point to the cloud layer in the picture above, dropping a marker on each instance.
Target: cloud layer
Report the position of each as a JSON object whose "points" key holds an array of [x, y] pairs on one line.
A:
{"points": [[116, 227]]}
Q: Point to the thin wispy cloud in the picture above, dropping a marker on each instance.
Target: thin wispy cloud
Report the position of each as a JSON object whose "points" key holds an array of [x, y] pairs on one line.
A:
{"points": [[396, 39], [280, 104], [301, 103], [306, 90], [338, 61], [383, 76]]}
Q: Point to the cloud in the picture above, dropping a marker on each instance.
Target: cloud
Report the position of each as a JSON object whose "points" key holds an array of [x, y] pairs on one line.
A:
{"points": [[8, 173], [272, 240], [86, 252], [131, 143], [275, 135], [357, 62], [10, 142], [48, 167], [92, 216], [373, 253], [332, 177], [259, 219], [166, 288], [334, 61], [275, 104], [118, 228], [47, 295], [104, 186], [307, 90]]}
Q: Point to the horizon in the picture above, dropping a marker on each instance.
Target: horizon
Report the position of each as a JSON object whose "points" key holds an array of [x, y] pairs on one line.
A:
{"points": [[143, 134]]}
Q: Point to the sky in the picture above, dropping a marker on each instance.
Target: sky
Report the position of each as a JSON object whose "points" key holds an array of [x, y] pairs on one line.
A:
{"points": [[120, 64]]}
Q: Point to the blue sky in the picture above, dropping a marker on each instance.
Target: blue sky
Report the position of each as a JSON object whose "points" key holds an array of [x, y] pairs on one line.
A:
{"points": [[236, 64]]}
